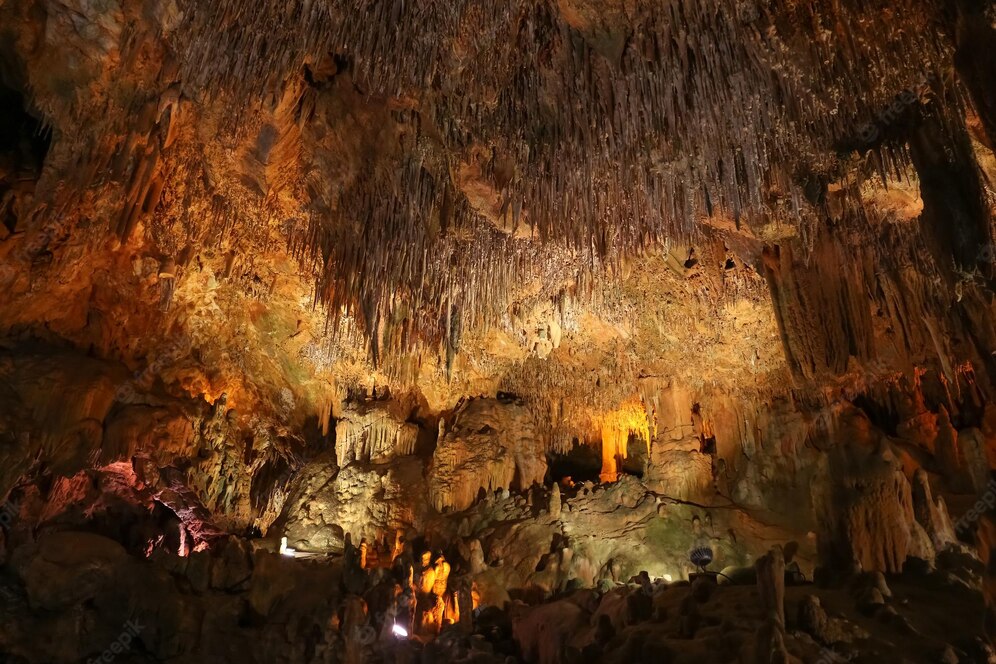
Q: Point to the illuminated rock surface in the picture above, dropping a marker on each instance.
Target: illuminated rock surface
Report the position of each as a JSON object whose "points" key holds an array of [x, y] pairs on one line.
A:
{"points": [[394, 331]]}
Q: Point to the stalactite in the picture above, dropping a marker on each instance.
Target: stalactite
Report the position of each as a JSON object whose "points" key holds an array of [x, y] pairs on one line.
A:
{"points": [[711, 108], [371, 436]]}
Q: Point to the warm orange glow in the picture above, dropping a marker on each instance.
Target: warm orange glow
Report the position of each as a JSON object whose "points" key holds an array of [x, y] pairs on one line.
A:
{"points": [[452, 613], [325, 414], [616, 428]]}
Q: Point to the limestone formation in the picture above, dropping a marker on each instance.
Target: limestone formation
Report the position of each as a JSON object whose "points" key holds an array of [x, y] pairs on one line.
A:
{"points": [[555, 502], [489, 445], [771, 584], [827, 630], [372, 432], [489, 331], [364, 501], [933, 516]]}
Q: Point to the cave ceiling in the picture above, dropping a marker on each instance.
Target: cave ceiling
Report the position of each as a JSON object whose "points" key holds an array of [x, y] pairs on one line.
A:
{"points": [[289, 202], [569, 299]]}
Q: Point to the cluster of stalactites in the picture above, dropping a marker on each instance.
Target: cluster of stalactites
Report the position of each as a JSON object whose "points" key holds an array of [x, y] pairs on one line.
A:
{"points": [[570, 403], [616, 428], [714, 107], [410, 286], [373, 438], [496, 474]]}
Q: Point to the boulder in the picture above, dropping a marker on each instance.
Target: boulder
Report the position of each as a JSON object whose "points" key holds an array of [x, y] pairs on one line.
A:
{"points": [[70, 567]]}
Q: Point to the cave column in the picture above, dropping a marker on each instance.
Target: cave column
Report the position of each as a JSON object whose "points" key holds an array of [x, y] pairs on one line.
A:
{"points": [[610, 470], [614, 442]]}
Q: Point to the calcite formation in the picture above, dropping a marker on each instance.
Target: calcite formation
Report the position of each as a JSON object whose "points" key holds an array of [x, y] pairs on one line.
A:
{"points": [[542, 331], [326, 503], [490, 445], [372, 433]]}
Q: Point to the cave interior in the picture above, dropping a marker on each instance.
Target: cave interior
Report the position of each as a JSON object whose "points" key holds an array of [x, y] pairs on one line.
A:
{"points": [[477, 331]]}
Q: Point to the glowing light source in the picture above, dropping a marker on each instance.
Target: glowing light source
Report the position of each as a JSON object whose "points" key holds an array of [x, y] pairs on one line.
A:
{"points": [[284, 549], [399, 631], [667, 577], [616, 428]]}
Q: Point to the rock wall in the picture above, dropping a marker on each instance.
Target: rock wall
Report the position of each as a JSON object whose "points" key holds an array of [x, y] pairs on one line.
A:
{"points": [[361, 500], [371, 432], [489, 445]]}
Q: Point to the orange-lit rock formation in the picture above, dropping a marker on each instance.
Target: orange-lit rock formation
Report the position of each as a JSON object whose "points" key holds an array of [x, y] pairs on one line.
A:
{"points": [[561, 294]]}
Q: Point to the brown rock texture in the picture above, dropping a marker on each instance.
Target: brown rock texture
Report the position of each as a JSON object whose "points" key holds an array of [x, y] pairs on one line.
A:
{"points": [[490, 445], [326, 322]]}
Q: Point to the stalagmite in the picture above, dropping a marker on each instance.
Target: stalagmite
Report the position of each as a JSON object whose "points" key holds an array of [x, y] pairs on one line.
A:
{"points": [[771, 588], [771, 584], [555, 505], [467, 330]]}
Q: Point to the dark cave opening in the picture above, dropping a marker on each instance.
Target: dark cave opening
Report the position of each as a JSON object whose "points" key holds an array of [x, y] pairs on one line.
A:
{"points": [[24, 143], [581, 463], [637, 457], [880, 415]]}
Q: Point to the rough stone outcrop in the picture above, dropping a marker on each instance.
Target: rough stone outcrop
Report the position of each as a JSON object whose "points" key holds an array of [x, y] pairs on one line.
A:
{"points": [[489, 445], [373, 432], [867, 511], [681, 470], [361, 500]]}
